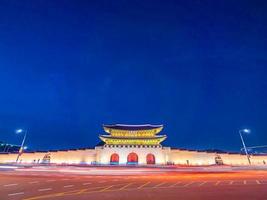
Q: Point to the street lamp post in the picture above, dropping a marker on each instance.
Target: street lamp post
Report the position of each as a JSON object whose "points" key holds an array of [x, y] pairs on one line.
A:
{"points": [[244, 145], [8, 147], [22, 143], [5, 147]]}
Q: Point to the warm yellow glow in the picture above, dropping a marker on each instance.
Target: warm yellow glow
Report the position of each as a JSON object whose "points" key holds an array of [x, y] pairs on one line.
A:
{"points": [[128, 133], [119, 141]]}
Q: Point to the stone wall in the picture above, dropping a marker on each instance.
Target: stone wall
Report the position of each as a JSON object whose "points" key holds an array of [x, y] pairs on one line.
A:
{"points": [[101, 155], [87, 156], [185, 157], [104, 153]]}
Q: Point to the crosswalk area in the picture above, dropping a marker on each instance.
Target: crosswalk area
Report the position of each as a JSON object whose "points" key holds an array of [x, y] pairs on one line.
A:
{"points": [[69, 187], [196, 183], [139, 184]]}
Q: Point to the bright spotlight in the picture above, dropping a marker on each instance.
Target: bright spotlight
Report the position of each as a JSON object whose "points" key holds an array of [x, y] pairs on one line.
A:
{"points": [[19, 131], [246, 130]]}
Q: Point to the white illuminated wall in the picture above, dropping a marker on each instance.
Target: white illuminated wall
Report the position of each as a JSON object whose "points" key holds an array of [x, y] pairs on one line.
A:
{"points": [[163, 155], [87, 156], [104, 154], [184, 157]]}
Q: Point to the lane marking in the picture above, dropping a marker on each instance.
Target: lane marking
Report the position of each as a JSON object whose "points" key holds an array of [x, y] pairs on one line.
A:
{"points": [[159, 184], [65, 179], [14, 194], [106, 188], [217, 183], [86, 183], [202, 183], [68, 186], [175, 184], [125, 186], [33, 182], [190, 183], [258, 182], [245, 182], [231, 182], [71, 193], [8, 185], [44, 189], [143, 185]]}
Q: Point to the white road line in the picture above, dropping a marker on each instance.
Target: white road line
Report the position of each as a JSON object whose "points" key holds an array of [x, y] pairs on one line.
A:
{"points": [[175, 184], [106, 188], [202, 183], [190, 183], [87, 183], [159, 184], [14, 194], [68, 186], [33, 182], [125, 186], [8, 185], [44, 189], [258, 182], [143, 185]]}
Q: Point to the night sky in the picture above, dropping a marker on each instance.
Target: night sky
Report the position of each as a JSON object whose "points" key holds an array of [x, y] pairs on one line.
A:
{"points": [[198, 67]]}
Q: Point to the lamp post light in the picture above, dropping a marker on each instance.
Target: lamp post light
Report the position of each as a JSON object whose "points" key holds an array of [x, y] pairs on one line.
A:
{"points": [[244, 145], [18, 131]]}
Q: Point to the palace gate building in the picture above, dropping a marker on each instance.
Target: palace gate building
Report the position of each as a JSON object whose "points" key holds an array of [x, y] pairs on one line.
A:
{"points": [[132, 145]]}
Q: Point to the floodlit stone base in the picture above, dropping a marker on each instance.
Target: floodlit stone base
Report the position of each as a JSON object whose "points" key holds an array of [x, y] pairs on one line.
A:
{"points": [[160, 154]]}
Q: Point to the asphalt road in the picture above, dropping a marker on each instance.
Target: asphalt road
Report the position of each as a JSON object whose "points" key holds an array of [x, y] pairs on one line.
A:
{"points": [[132, 184]]}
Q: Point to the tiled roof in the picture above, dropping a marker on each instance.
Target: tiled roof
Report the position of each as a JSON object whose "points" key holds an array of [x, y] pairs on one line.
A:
{"points": [[132, 127]]}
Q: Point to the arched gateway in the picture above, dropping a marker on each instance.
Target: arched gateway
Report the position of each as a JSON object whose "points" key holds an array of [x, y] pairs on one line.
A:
{"points": [[150, 159], [114, 159], [132, 158]]}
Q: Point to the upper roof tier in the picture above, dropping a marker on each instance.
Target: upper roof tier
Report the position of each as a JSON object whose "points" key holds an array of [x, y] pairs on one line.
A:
{"points": [[132, 134], [132, 127], [132, 130]]}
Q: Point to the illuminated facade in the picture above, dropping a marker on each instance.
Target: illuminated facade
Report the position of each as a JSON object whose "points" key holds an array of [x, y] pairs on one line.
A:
{"points": [[141, 135], [132, 145]]}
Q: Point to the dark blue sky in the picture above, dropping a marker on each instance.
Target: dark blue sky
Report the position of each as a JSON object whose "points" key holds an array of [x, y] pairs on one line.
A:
{"points": [[198, 67]]}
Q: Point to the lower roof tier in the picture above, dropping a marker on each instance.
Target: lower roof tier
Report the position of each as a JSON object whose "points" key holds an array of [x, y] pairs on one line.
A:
{"points": [[132, 141]]}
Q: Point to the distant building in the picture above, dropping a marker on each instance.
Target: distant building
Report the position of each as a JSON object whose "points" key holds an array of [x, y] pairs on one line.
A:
{"points": [[4, 147], [132, 145]]}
